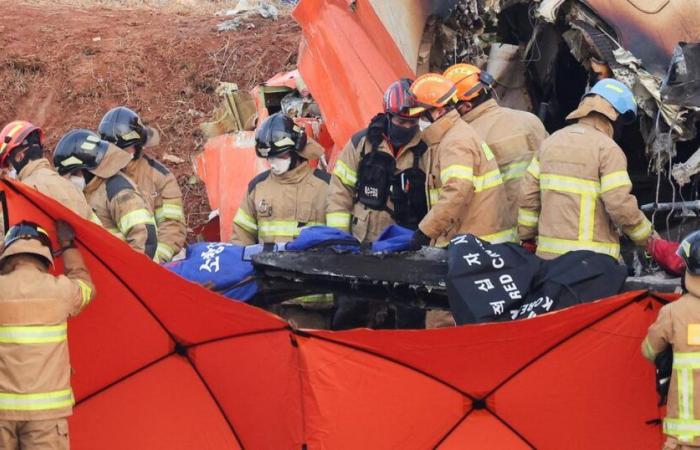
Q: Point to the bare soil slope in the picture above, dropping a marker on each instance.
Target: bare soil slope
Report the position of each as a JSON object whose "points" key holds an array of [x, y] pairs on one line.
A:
{"points": [[64, 66]]}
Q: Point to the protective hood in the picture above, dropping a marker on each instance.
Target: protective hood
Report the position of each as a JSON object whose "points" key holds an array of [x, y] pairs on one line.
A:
{"points": [[115, 159], [27, 246], [594, 103], [152, 137]]}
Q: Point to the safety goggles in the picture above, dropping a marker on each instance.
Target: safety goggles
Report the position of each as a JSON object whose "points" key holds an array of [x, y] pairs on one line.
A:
{"points": [[27, 230]]}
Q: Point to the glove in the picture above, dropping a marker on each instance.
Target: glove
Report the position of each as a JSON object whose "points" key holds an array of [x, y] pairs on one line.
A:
{"points": [[418, 240], [529, 245], [64, 234], [664, 253]]}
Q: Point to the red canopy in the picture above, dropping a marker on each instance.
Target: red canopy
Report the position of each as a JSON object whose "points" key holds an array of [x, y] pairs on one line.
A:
{"points": [[163, 363]]}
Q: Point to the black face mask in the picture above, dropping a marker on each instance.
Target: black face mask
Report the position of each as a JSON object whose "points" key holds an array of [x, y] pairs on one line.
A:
{"points": [[400, 136], [34, 151]]}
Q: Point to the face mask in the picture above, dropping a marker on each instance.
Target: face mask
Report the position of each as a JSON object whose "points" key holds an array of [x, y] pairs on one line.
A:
{"points": [[279, 165], [78, 182], [423, 124], [400, 136], [12, 174]]}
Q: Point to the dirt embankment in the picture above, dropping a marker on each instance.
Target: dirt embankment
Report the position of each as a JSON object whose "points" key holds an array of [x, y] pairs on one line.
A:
{"points": [[63, 67]]}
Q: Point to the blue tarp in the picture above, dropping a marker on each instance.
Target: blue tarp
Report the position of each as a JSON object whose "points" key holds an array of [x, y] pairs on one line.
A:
{"points": [[221, 267]]}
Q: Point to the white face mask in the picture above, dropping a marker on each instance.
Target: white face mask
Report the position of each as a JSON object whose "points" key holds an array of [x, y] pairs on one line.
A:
{"points": [[423, 124], [279, 165], [78, 182], [12, 174]]}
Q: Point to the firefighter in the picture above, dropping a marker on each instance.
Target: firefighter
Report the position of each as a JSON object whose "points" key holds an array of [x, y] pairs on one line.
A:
{"points": [[513, 136], [577, 189], [289, 196], [22, 149], [35, 391], [283, 200], [466, 192], [113, 196], [379, 178], [125, 129], [678, 326]]}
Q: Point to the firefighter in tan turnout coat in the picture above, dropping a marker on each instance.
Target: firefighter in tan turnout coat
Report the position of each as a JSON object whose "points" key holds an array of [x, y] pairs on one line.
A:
{"points": [[379, 177], [577, 189], [465, 187], [124, 128], [513, 136], [35, 390], [113, 196], [678, 326]]}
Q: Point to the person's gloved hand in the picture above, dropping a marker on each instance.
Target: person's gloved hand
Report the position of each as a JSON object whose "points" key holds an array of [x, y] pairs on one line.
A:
{"points": [[418, 240], [64, 234], [664, 253], [530, 245]]}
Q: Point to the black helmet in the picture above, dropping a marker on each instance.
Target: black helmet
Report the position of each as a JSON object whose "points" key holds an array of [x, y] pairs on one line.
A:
{"points": [[123, 128], [689, 250], [278, 134], [79, 149]]}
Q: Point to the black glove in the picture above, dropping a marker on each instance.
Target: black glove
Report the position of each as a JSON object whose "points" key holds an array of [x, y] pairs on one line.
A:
{"points": [[418, 240], [64, 234]]}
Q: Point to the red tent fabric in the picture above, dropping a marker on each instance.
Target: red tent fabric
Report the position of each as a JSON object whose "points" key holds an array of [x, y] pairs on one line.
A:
{"points": [[162, 363]]}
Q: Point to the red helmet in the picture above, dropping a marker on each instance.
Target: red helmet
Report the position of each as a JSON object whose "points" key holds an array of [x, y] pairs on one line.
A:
{"points": [[14, 135], [398, 98]]}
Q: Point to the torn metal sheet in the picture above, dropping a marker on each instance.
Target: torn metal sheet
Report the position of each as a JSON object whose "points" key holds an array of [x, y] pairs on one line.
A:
{"points": [[682, 85]]}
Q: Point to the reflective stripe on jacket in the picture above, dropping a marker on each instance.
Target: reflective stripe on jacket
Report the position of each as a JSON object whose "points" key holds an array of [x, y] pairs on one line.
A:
{"points": [[124, 212], [276, 208], [343, 211], [678, 325], [39, 175], [160, 189], [576, 190], [465, 187], [514, 137], [34, 307]]}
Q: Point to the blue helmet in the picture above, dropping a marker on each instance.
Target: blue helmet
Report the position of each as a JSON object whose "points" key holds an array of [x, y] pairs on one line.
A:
{"points": [[618, 95]]}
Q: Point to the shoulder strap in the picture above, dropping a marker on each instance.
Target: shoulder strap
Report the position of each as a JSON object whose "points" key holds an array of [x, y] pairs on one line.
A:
{"points": [[418, 151]]}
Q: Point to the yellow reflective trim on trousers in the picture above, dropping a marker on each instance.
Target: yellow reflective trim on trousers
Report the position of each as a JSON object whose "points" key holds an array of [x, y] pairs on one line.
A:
{"points": [[36, 402], [560, 246], [641, 231], [586, 217], [487, 151], [345, 173], [534, 168], [118, 234], [36, 334], [614, 180], [456, 171], [571, 185], [339, 220], [684, 430], [508, 235], [85, 293], [527, 218], [164, 252], [245, 221], [489, 180], [95, 219], [170, 211], [514, 170], [136, 217]]}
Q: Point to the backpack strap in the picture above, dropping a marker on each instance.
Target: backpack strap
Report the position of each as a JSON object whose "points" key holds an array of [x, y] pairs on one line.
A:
{"points": [[418, 151]]}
